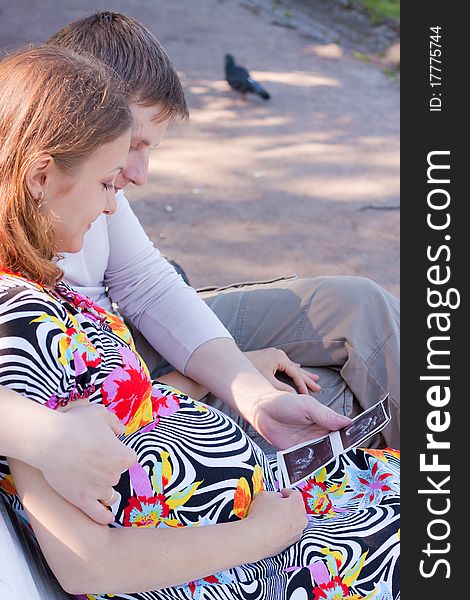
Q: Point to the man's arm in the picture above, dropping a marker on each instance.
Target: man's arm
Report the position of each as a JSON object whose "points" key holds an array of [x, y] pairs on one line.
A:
{"points": [[151, 294], [181, 327], [283, 418], [269, 362]]}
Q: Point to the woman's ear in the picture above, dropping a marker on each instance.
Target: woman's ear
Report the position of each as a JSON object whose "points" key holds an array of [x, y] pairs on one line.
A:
{"points": [[38, 175]]}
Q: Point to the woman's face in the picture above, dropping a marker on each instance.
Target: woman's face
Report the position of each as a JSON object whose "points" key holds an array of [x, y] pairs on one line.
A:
{"points": [[76, 200]]}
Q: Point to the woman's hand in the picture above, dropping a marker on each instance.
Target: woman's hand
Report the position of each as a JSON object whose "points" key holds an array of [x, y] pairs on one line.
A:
{"points": [[269, 361], [84, 458], [286, 510]]}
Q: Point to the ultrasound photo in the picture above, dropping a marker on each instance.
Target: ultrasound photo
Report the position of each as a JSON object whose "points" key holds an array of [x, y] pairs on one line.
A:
{"points": [[304, 461], [363, 426]]}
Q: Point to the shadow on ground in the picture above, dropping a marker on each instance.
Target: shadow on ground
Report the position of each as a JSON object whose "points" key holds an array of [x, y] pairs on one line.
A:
{"points": [[307, 182]]}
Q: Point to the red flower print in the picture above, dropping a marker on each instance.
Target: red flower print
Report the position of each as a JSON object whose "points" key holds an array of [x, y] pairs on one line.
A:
{"points": [[316, 499], [163, 403], [146, 512], [333, 590], [126, 391]]}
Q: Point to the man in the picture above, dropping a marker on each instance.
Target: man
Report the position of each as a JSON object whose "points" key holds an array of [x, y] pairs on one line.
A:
{"points": [[347, 323]]}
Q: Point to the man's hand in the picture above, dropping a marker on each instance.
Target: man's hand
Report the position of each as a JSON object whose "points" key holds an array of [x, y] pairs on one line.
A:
{"points": [[270, 361], [286, 419], [84, 458], [283, 418]]}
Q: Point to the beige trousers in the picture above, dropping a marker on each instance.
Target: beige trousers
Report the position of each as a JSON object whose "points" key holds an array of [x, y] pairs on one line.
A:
{"points": [[344, 328]]}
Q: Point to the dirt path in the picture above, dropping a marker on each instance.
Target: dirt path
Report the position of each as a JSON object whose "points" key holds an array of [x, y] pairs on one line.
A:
{"points": [[307, 182]]}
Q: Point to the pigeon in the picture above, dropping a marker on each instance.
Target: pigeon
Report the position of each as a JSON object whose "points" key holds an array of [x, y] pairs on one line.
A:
{"points": [[240, 80]]}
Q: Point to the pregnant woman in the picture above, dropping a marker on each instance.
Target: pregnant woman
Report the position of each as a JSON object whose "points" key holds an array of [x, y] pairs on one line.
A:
{"points": [[200, 514]]}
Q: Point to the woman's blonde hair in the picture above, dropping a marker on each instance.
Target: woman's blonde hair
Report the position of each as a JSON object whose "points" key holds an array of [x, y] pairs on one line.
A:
{"points": [[52, 101]]}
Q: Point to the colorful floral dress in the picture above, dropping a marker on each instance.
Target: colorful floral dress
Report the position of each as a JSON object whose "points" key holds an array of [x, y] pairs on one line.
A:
{"points": [[195, 466]]}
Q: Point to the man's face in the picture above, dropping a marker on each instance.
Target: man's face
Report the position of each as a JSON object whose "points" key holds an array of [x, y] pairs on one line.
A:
{"points": [[147, 134]]}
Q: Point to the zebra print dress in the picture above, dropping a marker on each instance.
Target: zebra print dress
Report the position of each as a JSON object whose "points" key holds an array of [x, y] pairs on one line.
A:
{"points": [[195, 466]]}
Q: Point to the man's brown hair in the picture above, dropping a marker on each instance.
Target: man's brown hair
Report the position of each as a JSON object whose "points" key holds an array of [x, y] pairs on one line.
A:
{"points": [[54, 102], [134, 53]]}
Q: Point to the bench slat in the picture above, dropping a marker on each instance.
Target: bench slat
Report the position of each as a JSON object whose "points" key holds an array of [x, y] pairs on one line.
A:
{"points": [[24, 574]]}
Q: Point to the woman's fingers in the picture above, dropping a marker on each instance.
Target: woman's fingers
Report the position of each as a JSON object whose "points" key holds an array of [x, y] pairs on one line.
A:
{"points": [[108, 499], [288, 492], [89, 459], [99, 513], [115, 424]]}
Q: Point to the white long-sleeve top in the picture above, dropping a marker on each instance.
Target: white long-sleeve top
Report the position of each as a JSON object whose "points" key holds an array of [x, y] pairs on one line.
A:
{"points": [[118, 263]]}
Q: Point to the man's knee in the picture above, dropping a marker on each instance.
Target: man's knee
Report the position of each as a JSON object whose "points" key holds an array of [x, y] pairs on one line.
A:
{"points": [[353, 287], [347, 293]]}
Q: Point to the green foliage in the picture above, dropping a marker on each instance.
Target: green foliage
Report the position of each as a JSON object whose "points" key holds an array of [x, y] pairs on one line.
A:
{"points": [[361, 56], [393, 71], [382, 9]]}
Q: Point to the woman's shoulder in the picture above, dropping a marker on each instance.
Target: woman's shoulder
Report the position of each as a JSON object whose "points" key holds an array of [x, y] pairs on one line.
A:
{"points": [[12, 283], [17, 291]]}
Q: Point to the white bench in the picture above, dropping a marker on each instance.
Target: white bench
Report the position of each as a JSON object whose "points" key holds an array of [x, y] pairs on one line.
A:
{"points": [[24, 574]]}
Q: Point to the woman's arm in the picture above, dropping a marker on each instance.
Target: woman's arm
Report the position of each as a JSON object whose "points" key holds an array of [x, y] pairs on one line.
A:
{"points": [[91, 558], [23, 425], [77, 451]]}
